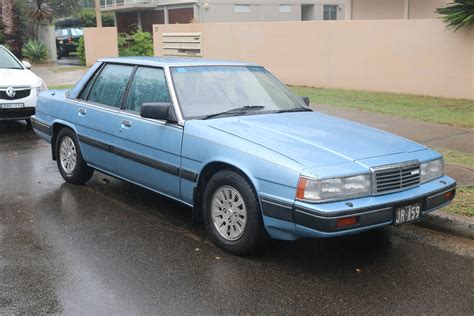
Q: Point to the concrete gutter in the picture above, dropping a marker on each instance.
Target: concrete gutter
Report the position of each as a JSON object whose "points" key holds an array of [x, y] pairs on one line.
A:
{"points": [[445, 222]]}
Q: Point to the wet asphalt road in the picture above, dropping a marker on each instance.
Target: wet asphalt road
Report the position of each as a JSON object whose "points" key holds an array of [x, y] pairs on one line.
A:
{"points": [[112, 247]]}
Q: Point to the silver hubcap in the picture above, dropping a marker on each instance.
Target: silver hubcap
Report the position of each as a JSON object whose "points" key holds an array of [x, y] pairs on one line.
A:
{"points": [[229, 213], [67, 154]]}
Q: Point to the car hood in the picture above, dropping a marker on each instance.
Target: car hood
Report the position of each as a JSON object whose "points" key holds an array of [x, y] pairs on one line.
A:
{"points": [[314, 139], [18, 77]]}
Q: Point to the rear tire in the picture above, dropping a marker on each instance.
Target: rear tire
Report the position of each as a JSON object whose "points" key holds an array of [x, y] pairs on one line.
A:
{"points": [[71, 165], [232, 215]]}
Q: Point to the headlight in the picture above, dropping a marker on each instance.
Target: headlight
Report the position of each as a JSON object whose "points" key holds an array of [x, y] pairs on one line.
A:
{"points": [[325, 190], [42, 87], [431, 170]]}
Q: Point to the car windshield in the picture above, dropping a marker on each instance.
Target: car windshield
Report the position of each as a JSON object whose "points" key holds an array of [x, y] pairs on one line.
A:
{"points": [[209, 91], [7, 61]]}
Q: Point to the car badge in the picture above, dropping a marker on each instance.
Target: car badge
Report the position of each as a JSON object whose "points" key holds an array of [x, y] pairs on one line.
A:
{"points": [[10, 92]]}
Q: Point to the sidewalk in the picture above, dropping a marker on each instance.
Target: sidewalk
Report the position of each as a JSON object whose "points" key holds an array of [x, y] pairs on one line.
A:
{"points": [[429, 134], [57, 75]]}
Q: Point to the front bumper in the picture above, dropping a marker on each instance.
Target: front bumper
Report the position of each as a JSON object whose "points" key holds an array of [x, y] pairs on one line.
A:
{"points": [[301, 219], [17, 114]]}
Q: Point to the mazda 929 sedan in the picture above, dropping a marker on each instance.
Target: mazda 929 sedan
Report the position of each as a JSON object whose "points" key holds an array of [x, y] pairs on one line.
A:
{"points": [[234, 143]]}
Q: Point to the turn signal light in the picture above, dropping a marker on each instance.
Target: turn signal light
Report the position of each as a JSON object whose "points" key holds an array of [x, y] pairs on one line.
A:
{"points": [[300, 188], [346, 221], [449, 195]]}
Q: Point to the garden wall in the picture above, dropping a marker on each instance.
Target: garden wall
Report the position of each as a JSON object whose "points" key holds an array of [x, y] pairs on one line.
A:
{"points": [[403, 56]]}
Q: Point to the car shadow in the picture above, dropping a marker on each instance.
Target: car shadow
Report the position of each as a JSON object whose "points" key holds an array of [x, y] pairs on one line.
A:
{"points": [[162, 209]]}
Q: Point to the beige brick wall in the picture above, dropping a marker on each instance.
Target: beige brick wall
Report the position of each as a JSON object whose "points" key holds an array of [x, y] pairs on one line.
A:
{"points": [[403, 56]]}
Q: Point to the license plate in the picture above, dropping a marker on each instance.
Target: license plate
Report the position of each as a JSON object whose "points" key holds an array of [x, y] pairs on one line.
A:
{"points": [[11, 105], [407, 213]]}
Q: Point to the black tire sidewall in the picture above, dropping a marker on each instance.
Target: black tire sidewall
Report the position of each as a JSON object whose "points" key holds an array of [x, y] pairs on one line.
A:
{"points": [[81, 171], [253, 234]]}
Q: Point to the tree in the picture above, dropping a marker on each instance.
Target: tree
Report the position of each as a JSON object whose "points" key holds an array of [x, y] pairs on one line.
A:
{"points": [[40, 12], [64, 8], [8, 19], [458, 14], [88, 18]]}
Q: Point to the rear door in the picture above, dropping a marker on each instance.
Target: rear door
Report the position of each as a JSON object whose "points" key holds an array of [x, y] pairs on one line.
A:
{"points": [[149, 151], [98, 115]]}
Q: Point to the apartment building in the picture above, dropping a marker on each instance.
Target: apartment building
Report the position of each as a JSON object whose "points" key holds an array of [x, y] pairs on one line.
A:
{"points": [[144, 13], [133, 14]]}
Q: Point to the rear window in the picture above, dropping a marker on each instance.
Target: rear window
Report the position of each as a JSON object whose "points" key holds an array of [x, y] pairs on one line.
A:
{"points": [[110, 85], [61, 33], [77, 32]]}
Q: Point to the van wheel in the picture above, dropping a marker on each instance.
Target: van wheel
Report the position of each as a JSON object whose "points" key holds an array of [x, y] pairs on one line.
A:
{"points": [[71, 165], [232, 214]]}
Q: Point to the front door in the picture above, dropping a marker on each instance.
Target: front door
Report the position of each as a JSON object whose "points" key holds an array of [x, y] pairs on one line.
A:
{"points": [[149, 151]]}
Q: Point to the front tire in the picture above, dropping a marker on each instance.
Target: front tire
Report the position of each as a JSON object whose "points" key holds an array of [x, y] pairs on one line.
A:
{"points": [[69, 159], [232, 214]]}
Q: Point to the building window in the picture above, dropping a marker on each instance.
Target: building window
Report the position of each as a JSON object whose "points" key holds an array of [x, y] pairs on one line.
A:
{"points": [[330, 12], [285, 8], [241, 8]]}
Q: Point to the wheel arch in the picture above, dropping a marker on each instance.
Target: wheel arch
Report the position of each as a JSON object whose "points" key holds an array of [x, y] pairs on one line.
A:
{"points": [[55, 128], [210, 169]]}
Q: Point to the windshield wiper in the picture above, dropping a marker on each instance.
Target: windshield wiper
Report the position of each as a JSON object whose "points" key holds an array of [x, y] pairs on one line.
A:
{"points": [[299, 109], [236, 111]]}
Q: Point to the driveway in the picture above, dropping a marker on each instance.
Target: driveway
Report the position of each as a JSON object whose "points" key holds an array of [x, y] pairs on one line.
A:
{"points": [[58, 75], [112, 247]]}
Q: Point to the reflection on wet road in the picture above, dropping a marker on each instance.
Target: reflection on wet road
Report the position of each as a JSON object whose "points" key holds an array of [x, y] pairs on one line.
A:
{"points": [[112, 247]]}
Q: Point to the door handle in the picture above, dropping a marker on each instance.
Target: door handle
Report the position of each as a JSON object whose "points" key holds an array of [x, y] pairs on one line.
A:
{"points": [[82, 111], [127, 123]]}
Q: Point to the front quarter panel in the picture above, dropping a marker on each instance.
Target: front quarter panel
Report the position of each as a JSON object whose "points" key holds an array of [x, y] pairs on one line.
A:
{"points": [[270, 173]]}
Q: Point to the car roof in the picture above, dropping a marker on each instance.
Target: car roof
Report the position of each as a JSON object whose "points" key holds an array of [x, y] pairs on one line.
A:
{"points": [[173, 61]]}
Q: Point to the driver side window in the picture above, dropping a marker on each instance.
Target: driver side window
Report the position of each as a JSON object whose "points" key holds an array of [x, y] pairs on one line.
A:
{"points": [[149, 85]]}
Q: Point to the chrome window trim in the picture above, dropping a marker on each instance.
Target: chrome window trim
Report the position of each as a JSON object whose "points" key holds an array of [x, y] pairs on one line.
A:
{"points": [[174, 98]]}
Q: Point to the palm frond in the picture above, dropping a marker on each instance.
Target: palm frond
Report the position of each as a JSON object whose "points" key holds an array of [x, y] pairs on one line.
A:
{"points": [[458, 14]]}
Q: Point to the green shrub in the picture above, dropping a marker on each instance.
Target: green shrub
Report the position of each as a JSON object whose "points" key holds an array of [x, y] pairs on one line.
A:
{"points": [[87, 16], [35, 51], [81, 51], [139, 44]]}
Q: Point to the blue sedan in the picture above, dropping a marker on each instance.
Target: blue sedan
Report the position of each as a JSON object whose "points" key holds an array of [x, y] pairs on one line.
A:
{"points": [[233, 142]]}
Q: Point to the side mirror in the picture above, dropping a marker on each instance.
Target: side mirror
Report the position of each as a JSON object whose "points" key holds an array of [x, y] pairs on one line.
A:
{"points": [[158, 111], [26, 64], [305, 100]]}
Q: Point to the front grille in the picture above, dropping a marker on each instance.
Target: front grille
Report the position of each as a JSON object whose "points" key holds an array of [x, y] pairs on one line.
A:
{"points": [[396, 177], [19, 94]]}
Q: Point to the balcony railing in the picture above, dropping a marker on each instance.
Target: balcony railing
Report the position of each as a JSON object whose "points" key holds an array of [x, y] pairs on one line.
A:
{"points": [[119, 3]]}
